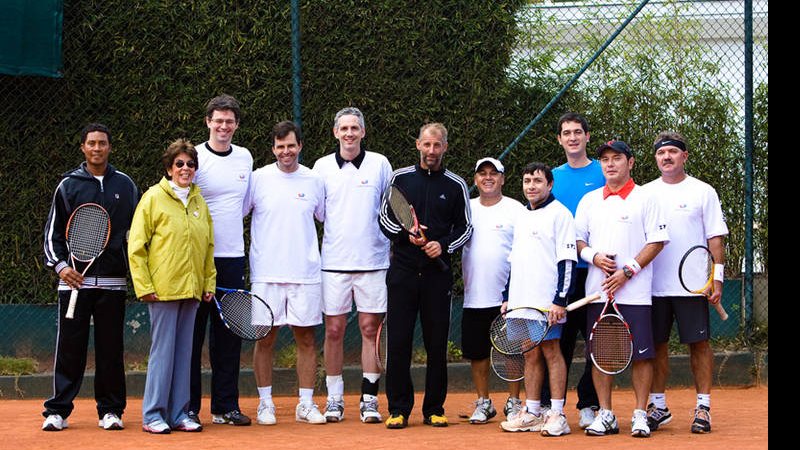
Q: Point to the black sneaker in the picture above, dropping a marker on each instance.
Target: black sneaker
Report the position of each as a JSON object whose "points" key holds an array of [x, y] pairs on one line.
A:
{"points": [[702, 420], [234, 417], [193, 415], [657, 417]]}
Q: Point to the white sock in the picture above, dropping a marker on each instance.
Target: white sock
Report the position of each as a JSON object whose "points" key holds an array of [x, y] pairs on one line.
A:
{"points": [[265, 394], [659, 399], [534, 406], [306, 396], [335, 385], [372, 377], [557, 405], [704, 400]]}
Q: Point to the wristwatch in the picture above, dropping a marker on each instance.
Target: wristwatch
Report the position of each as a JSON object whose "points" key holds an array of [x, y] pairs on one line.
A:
{"points": [[627, 271]]}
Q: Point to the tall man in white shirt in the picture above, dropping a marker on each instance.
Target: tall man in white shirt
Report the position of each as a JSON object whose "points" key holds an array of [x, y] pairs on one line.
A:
{"points": [[621, 223], [355, 256], [285, 198], [223, 176], [694, 216], [485, 267]]}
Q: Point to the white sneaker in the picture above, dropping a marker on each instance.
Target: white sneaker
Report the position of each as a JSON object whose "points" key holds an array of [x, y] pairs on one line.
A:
{"points": [[586, 417], [54, 422], [639, 427], [266, 414], [524, 421], [156, 427], [110, 421], [188, 425], [334, 410], [369, 409], [555, 424], [605, 423], [484, 410], [512, 407], [309, 413]]}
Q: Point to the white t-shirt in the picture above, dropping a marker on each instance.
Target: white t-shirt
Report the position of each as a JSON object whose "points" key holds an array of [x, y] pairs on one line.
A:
{"points": [[622, 227], [352, 239], [283, 236], [223, 182], [542, 238], [694, 215], [484, 261]]}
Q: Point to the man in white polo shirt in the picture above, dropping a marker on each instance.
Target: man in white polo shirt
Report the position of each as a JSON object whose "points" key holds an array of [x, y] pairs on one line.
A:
{"points": [[694, 216], [285, 198], [223, 175], [355, 256], [620, 230], [485, 267]]}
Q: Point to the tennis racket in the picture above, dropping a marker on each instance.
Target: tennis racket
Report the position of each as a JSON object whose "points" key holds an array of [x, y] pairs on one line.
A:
{"points": [[246, 314], [88, 230], [696, 273], [611, 341], [404, 212], [582, 302], [518, 330], [507, 367], [381, 345]]}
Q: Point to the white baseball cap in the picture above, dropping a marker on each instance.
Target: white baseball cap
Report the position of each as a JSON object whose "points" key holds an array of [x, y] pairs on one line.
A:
{"points": [[496, 163]]}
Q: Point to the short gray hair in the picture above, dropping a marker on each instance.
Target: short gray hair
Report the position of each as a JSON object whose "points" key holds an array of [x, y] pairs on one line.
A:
{"points": [[349, 111]]}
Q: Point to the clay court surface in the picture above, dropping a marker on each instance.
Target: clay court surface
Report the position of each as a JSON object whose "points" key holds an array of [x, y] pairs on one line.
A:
{"points": [[740, 421]]}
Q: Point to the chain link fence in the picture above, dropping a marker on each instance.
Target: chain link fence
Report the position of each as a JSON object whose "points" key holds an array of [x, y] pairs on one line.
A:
{"points": [[677, 65]]}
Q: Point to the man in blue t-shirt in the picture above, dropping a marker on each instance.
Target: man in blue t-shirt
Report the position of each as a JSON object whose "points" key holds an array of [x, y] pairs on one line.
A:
{"points": [[571, 181]]}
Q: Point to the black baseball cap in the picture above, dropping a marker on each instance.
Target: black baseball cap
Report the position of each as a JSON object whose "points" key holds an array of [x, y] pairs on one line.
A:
{"points": [[617, 146]]}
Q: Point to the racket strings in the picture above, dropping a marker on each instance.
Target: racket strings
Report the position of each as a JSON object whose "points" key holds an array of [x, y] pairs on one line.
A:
{"points": [[508, 367], [88, 232], [236, 309], [696, 269], [514, 335], [611, 345], [401, 208], [383, 345]]}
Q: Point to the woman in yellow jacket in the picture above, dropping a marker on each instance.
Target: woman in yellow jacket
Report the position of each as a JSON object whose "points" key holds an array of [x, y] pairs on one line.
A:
{"points": [[171, 254]]}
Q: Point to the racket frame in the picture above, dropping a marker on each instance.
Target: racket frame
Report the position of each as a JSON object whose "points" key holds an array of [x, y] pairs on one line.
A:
{"points": [[233, 328], [497, 331], [616, 314], [708, 288], [73, 296], [499, 359]]}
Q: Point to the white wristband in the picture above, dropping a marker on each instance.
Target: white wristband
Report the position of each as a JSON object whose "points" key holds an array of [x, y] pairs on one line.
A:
{"points": [[719, 272], [587, 254], [635, 267]]}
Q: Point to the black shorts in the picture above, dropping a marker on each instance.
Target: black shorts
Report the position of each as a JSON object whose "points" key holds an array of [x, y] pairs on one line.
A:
{"points": [[475, 323], [691, 314], [640, 322]]}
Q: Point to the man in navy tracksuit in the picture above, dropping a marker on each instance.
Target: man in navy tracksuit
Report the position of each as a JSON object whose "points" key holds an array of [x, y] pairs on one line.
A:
{"points": [[416, 283]]}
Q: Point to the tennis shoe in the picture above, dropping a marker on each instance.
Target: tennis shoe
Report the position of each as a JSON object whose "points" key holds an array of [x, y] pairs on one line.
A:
{"points": [[702, 420], [605, 423], [396, 421], [110, 421], [156, 427], [309, 413], [555, 424], [334, 410], [524, 421], [657, 417], [586, 417], [369, 409], [188, 425], [54, 422], [513, 406], [266, 414], [639, 426], [234, 417], [484, 410], [435, 420]]}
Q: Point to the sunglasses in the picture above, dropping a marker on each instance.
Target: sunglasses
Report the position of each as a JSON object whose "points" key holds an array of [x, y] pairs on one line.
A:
{"points": [[191, 163]]}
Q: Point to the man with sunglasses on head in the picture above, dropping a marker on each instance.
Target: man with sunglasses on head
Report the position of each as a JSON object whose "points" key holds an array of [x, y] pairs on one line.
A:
{"points": [[223, 176]]}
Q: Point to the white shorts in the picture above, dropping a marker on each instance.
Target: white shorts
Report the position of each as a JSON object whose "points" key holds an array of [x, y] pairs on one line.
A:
{"points": [[367, 289], [291, 303]]}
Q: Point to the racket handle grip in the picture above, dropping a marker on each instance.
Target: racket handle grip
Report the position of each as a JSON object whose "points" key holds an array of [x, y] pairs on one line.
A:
{"points": [[73, 300], [721, 311], [585, 300]]}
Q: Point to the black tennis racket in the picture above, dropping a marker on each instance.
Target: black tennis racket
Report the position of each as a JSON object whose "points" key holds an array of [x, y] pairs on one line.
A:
{"points": [[696, 273], [611, 341], [381, 345], [507, 367], [246, 314], [88, 230], [404, 212], [518, 330]]}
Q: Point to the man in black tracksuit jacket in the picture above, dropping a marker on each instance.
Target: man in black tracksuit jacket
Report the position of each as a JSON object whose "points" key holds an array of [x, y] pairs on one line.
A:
{"points": [[102, 290], [416, 283]]}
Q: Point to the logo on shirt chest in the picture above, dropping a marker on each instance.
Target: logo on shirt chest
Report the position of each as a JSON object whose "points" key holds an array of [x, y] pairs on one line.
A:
{"points": [[301, 196], [241, 177]]}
